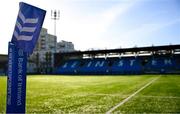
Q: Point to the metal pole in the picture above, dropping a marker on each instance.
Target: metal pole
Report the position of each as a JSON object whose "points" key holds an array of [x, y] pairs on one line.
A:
{"points": [[55, 15], [55, 27]]}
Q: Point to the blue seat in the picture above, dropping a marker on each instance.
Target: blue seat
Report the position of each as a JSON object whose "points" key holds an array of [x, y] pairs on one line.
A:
{"points": [[124, 65]]}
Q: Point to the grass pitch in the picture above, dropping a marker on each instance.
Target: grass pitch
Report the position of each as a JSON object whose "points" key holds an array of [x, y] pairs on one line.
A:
{"points": [[98, 94]]}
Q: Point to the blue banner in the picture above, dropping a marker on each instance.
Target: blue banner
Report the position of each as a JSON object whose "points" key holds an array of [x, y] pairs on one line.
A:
{"points": [[16, 82], [28, 26], [26, 33]]}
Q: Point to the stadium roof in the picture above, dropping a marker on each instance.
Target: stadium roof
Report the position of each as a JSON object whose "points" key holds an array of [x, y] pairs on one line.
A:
{"points": [[139, 50]]}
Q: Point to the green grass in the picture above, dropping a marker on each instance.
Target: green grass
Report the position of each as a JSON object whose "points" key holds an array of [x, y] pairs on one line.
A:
{"points": [[98, 94], [163, 96], [2, 94]]}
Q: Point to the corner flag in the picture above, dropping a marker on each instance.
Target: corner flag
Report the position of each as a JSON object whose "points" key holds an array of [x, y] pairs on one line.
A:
{"points": [[26, 33], [28, 26]]}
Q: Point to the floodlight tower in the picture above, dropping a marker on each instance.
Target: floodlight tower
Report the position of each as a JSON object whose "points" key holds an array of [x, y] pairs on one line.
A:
{"points": [[55, 15]]}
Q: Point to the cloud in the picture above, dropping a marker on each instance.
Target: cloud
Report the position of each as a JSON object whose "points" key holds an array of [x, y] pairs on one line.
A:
{"points": [[87, 30], [141, 35], [147, 29]]}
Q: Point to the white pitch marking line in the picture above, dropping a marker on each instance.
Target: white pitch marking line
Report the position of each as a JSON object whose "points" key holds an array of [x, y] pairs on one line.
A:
{"points": [[125, 100]]}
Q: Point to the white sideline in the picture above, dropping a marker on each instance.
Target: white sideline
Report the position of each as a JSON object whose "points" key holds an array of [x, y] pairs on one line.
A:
{"points": [[125, 100]]}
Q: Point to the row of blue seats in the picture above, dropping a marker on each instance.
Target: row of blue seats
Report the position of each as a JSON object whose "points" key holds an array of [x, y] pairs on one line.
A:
{"points": [[127, 65]]}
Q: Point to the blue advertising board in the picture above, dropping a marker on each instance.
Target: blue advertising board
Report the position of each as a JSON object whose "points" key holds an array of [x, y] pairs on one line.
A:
{"points": [[16, 89]]}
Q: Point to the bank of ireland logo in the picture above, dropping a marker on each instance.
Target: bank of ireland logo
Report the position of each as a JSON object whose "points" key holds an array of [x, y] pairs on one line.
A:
{"points": [[25, 27]]}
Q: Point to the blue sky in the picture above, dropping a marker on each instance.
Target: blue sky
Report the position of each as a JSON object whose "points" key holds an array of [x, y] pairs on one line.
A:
{"points": [[104, 24]]}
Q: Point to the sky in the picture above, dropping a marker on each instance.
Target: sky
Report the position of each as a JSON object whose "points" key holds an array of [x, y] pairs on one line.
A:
{"points": [[102, 24]]}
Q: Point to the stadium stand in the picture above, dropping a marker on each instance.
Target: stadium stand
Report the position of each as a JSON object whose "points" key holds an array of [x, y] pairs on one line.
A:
{"points": [[3, 64], [160, 59], [138, 60]]}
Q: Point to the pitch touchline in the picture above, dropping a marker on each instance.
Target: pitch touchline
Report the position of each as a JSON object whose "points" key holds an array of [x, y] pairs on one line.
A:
{"points": [[125, 100]]}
